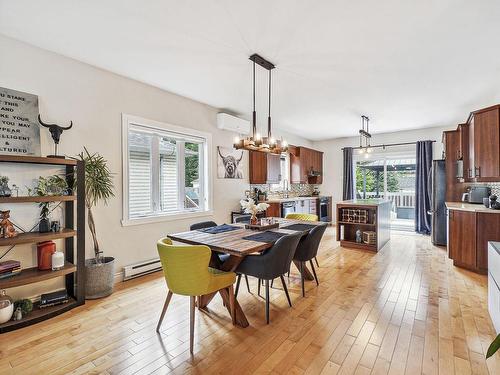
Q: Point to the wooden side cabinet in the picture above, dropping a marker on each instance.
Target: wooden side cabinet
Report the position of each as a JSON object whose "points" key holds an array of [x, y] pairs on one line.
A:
{"points": [[264, 168]]}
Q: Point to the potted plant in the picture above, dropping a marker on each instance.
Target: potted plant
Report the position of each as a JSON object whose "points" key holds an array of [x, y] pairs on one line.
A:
{"points": [[99, 271], [4, 187], [47, 186], [250, 207]]}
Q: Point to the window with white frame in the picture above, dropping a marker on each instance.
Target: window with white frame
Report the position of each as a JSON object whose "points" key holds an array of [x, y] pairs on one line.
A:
{"points": [[166, 170]]}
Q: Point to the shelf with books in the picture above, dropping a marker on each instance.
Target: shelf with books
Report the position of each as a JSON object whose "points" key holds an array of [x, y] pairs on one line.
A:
{"points": [[34, 275]]}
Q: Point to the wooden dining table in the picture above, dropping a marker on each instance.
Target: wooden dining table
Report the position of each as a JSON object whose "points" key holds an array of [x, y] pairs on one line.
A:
{"points": [[233, 243]]}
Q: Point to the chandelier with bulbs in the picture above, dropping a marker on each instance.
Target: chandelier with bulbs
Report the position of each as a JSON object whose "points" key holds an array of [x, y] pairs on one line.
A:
{"points": [[365, 136], [256, 142]]}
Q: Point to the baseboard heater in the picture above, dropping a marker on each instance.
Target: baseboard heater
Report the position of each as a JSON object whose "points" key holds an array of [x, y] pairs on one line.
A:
{"points": [[140, 269]]}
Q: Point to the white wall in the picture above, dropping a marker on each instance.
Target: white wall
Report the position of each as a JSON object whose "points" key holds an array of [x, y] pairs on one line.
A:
{"points": [[94, 100], [333, 158]]}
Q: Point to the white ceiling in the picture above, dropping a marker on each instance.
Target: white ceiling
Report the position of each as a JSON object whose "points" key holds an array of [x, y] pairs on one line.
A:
{"points": [[407, 64]]}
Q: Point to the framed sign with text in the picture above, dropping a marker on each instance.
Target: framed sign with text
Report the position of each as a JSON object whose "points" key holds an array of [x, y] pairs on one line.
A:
{"points": [[19, 129]]}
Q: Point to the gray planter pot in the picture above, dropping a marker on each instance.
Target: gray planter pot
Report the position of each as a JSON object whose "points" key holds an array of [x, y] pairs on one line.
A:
{"points": [[99, 278]]}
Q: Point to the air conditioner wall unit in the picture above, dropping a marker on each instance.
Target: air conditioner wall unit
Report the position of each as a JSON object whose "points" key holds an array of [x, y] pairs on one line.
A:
{"points": [[233, 123]]}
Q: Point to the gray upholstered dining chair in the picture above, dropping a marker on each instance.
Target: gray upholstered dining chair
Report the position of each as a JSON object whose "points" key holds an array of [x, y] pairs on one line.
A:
{"points": [[307, 250], [222, 257], [272, 263]]}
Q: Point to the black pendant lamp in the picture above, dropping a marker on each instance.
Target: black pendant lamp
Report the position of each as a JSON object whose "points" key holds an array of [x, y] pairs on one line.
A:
{"points": [[256, 142]]}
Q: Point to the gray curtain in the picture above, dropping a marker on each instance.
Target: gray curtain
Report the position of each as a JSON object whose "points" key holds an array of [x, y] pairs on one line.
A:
{"points": [[348, 191], [423, 188]]}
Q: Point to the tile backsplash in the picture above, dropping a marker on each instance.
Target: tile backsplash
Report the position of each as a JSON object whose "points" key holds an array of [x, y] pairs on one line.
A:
{"points": [[295, 189], [495, 188]]}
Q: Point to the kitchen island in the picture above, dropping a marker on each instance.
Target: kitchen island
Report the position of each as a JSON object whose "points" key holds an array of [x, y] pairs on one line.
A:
{"points": [[363, 223]]}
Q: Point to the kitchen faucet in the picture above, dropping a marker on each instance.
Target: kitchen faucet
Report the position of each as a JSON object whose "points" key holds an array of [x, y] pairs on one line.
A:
{"points": [[285, 188]]}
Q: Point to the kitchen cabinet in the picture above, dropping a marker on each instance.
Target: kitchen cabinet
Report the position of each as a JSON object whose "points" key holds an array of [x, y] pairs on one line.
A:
{"points": [[462, 238], [484, 144], [306, 166], [468, 235], [274, 209], [264, 168], [463, 167], [454, 189]]}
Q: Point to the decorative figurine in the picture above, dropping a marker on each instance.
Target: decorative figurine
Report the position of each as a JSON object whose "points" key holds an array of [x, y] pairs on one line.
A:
{"points": [[358, 236], [55, 131], [7, 229], [18, 314], [4, 187]]}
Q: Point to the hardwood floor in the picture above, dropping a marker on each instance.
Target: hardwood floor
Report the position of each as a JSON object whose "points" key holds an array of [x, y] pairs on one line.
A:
{"points": [[403, 310]]}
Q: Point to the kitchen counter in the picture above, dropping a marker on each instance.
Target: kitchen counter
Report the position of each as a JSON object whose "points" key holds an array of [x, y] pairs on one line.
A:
{"points": [[470, 207], [365, 202]]}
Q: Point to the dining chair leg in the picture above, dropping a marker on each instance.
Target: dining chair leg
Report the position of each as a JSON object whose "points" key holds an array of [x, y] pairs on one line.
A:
{"points": [[165, 306], [267, 301], [232, 298], [272, 282], [191, 324], [258, 288], [314, 272], [316, 260], [248, 284], [286, 290], [302, 278], [237, 285]]}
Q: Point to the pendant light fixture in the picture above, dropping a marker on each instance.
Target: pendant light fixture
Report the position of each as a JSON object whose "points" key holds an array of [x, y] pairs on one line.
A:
{"points": [[364, 135], [256, 142]]}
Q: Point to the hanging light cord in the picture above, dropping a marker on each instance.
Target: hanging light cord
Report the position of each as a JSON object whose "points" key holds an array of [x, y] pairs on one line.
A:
{"points": [[269, 111]]}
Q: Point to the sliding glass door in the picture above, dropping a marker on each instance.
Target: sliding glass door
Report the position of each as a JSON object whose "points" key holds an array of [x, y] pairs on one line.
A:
{"points": [[391, 176]]}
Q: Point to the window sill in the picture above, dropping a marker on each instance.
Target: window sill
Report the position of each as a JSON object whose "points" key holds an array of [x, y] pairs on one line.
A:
{"points": [[163, 218]]}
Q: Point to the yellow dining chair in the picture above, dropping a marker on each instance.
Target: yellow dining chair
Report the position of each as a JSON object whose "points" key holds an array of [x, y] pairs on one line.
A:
{"points": [[304, 217], [187, 273]]}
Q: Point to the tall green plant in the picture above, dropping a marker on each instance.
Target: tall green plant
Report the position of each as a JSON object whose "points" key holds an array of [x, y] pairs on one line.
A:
{"points": [[98, 187]]}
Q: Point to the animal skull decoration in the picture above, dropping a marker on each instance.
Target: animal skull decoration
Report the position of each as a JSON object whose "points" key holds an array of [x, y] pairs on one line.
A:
{"points": [[55, 131], [231, 165]]}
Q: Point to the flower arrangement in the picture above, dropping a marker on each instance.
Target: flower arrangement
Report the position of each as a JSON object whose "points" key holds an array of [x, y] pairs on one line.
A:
{"points": [[249, 207]]}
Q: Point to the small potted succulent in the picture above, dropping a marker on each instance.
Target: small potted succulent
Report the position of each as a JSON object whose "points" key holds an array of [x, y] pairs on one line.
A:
{"points": [[99, 271]]}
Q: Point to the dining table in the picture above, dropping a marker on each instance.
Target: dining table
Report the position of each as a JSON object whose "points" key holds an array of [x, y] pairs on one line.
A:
{"points": [[234, 243]]}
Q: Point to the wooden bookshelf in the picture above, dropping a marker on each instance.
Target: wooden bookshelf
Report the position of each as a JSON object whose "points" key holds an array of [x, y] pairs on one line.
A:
{"points": [[29, 199], [73, 234], [35, 237]]}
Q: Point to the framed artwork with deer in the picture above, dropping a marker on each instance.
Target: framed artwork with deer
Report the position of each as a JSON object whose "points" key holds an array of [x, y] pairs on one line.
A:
{"points": [[229, 163]]}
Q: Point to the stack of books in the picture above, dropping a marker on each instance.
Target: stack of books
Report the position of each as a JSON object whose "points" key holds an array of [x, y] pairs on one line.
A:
{"points": [[9, 268]]}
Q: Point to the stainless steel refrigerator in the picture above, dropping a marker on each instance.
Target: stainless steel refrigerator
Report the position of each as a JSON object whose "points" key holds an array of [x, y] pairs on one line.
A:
{"points": [[438, 195]]}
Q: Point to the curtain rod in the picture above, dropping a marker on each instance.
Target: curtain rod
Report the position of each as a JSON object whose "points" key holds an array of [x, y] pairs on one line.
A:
{"points": [[384, 145]]}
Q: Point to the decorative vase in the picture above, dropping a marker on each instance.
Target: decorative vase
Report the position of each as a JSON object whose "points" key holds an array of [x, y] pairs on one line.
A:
{"points": [[44, 226], [253, 219], [6, 307], [44, 252], [5, 191]]}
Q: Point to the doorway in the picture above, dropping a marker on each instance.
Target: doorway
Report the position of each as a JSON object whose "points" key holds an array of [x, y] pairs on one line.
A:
{"points": [[391, 176]]}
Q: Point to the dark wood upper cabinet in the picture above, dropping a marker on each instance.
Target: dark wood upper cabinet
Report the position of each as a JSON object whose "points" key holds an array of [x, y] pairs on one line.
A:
{"points": [[306, 166], [484, 144], [451, 140], [264, 168]]}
